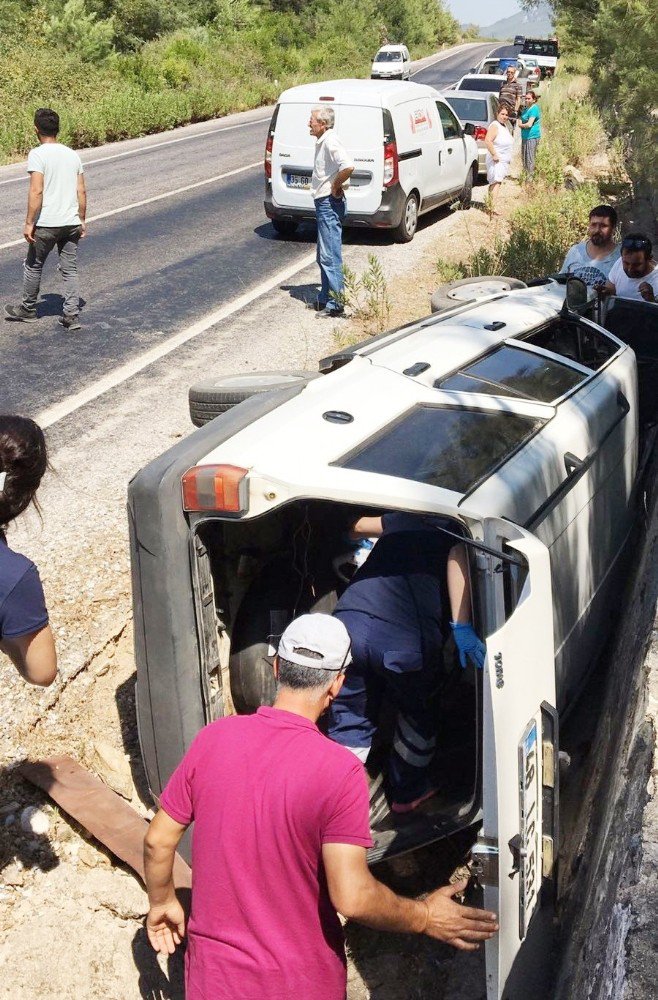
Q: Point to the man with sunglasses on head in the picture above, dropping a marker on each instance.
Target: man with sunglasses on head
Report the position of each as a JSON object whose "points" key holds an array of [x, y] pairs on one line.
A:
{"points": [[281, 828], [635, 275]]}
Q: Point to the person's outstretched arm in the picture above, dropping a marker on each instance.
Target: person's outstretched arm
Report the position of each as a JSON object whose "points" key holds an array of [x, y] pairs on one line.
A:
{"points": [[459, 593], [357, 894]]}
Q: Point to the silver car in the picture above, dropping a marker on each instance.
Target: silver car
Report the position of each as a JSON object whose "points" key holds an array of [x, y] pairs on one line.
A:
{"points": [[480, 110]]}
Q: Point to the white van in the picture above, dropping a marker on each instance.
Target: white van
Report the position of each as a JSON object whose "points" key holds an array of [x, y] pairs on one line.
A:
{"points": [[392, 62], [410, 152]]}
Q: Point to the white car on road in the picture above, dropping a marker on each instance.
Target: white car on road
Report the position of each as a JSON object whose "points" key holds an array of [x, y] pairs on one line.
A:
{"points": [[516, 420], [392, 62]]}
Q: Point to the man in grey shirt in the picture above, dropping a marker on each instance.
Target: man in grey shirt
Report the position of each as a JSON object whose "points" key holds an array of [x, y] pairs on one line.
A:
{"points": [[593, 259], [56, 209]]}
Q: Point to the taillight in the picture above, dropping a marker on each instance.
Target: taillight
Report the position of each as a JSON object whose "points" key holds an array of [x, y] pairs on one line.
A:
{"points": [[216, 487], [480, 133], [268, 155], [390, 164]]}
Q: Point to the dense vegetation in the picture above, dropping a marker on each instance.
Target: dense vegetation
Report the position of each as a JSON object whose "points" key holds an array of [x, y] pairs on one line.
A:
{"points": [[615, 42], [121, 68]]}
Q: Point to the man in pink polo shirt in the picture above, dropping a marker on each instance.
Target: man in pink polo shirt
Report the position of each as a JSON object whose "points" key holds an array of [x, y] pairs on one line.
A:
{"points": [[279, 845]]}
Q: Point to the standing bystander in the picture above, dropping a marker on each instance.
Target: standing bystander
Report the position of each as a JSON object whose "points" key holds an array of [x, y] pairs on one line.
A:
{"points": [[530, 133], [332, 168], [592, 259], [279, 845], [56, 210], [25, 635], [511, 94], [499, 152]]}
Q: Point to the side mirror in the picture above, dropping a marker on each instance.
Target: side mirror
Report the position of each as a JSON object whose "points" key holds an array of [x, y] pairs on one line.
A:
{"points": [[469, 129], [576, 294], [473, 69]]}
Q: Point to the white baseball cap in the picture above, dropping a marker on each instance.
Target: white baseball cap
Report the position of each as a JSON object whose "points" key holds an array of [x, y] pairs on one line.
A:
{"points": [[322, 634]]}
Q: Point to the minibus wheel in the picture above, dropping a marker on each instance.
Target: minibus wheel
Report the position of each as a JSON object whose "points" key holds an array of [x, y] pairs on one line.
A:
{"points": [[211, 397], [456, 293]]}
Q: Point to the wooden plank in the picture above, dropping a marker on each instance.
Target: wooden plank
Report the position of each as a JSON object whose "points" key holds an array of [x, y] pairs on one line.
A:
{"points": [[103, 813]]}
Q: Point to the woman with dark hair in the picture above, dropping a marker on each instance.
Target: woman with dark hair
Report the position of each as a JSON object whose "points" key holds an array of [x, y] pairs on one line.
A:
{"points": [[498, 141], [530, 133], [25, 635]]}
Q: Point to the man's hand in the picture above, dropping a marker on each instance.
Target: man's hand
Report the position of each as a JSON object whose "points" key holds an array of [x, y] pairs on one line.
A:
{"points": [[460, 926], [165, 926], [337, 190], [468, 644], [83, 229], [647, 292], [28, 231]]}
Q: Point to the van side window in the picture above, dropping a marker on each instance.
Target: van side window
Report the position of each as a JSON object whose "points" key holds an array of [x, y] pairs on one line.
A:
{"points": [[511, 371], [450, 447], [451, 127], [578, 343]]}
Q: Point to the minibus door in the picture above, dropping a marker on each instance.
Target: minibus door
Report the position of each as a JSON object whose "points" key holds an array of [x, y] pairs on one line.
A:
{"points": [[514, 853]]}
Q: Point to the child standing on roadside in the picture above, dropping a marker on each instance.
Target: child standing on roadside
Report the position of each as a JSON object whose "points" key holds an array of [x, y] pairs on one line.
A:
{"points": [[25, 635]]}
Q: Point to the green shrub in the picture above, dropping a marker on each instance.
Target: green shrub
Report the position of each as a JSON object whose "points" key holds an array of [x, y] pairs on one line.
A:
{"points": [[80, 31]]}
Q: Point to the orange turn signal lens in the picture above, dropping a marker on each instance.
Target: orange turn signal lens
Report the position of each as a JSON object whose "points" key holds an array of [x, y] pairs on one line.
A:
{"points": [[216, 487]]}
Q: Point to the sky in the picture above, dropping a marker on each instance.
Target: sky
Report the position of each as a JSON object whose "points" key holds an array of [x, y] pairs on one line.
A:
{"points": [[482, 11]]}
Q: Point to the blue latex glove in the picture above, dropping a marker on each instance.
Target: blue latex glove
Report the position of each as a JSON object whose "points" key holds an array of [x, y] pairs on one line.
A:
{"points": [[468, 644]]}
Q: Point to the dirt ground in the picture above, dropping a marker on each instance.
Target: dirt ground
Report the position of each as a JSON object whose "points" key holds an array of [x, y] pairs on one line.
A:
{"points": [[71, 918]]}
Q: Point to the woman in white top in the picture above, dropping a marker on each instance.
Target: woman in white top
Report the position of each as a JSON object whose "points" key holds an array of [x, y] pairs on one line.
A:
{"points": [[498, 141]]}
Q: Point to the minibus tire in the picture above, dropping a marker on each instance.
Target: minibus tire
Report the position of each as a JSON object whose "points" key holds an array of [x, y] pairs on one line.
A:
{"points": [[402, 232], [250, 663], [284, 227], [443, 299], [212, 397]]}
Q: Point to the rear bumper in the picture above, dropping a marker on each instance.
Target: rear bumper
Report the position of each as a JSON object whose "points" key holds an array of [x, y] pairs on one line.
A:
{"points": [[387, 216]]}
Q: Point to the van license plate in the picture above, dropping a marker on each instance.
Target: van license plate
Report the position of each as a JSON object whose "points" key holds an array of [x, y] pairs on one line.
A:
{"points": [[302, 181], [530, 869]]}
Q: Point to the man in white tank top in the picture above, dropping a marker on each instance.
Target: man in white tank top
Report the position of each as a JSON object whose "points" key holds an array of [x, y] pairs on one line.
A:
{"points": [[56, 209]]}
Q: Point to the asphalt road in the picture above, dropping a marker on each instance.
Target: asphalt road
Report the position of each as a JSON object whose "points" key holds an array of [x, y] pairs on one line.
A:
{"points": [[162, 257]]}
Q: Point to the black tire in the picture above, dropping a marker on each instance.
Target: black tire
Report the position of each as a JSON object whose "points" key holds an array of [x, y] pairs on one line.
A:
{"points": [[210, 398], [270, 604], [466, 195], [456, 293], [405, 231], [284, 227]]}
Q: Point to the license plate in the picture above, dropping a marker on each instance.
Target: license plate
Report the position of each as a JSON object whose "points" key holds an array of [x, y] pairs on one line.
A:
{"points": [[302, 181], [530, 873]]}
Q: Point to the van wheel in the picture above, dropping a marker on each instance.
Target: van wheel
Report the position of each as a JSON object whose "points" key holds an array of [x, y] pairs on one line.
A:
{"points": [[405, 231], [284, 227], [459, 293], [268, 607], [210, 398], [466, 195]]}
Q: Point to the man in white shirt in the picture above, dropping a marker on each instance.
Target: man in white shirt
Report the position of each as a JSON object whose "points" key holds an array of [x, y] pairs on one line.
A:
{"points": [[635, 276], [331, 169], [56, 209], [592, 259]]}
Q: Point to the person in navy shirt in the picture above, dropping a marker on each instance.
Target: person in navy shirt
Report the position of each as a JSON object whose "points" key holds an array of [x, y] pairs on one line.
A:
{"points": [[25, 635], [410, 591]]}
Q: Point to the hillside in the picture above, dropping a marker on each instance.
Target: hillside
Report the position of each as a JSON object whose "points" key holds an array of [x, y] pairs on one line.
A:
{"points": [[533, 24]]}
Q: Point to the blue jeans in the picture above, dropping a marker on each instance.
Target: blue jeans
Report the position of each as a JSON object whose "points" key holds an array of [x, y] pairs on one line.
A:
{"points": [[330, 213]]}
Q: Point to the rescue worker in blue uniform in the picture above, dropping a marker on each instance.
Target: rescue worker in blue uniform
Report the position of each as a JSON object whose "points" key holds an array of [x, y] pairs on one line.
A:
{"points": [[393, 610]]}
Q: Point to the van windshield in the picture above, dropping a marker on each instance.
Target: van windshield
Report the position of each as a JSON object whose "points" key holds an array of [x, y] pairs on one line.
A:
{"points": [[388, 57], [450, 447]]}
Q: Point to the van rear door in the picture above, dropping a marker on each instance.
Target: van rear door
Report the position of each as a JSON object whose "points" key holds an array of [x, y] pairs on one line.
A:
{"points": [[513, 857], [360, 129]]}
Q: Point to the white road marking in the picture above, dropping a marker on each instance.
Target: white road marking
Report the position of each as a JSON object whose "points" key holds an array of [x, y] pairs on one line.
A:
{"points": [[154, 146], [156, 197], [72, 403]]}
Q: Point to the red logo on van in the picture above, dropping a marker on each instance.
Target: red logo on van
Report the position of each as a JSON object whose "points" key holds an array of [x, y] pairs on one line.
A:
{"points": [[420, 120]]}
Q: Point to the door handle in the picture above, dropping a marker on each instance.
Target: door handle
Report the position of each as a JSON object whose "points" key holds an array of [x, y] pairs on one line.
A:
{"points": [[439, 157]]}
